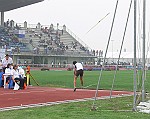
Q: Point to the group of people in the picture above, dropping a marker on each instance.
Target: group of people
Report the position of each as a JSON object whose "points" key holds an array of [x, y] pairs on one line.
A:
{"points": [[17, 74], [14, 73]]}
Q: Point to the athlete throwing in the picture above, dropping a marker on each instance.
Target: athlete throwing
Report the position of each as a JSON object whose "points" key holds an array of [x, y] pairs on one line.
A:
{"points": [[78, 70]]}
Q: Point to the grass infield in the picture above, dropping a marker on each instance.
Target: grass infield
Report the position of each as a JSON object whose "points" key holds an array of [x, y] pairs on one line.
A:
{"points": [[64, 79]]}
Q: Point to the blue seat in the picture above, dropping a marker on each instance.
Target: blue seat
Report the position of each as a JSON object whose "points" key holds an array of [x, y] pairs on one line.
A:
{"points": [[1, 75], [11, 83]]}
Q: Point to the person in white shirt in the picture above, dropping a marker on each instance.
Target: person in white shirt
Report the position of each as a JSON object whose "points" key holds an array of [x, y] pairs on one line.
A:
{"points": [[16, 76], [78, 70], [5, 61], [8, 68], [21, 72], [8, 71]]}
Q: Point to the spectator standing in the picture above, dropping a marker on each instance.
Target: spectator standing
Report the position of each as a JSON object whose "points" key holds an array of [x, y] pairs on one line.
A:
{"points": [[5, 61], [52, 64]]}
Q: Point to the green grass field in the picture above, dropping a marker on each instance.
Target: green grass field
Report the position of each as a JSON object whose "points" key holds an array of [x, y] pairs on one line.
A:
{"points": [[119, 108], [123, 81]]}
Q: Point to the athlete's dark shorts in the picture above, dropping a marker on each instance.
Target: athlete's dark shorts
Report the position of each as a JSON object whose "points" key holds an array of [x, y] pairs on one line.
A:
{"points": [[79, 72]]}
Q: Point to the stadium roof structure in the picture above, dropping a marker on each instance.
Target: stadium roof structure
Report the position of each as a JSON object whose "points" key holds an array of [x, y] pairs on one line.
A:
{"points": [[7, 5]]}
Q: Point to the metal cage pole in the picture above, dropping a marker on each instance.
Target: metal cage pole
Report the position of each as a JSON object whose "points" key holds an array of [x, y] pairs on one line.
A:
{"points": [[135, 81], [143, 75], [99, 80]]}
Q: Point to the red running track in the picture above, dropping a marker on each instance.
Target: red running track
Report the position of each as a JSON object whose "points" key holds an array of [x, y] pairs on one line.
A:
{"points": [[35, 95]]}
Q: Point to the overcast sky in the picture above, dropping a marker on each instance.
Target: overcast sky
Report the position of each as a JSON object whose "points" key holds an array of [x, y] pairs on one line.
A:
{"points": [[80, 16]]}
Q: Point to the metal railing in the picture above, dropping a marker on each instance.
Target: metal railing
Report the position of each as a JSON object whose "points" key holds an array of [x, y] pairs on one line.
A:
{"points": [[78, 39]]}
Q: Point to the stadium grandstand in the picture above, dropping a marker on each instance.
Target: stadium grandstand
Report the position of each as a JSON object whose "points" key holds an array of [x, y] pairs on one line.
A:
{"points": [[40, 44], [45, 45]]}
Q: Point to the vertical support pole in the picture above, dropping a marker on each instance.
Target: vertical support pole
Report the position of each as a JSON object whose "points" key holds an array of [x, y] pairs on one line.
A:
{"points": [[135, 81], [112, 51], [28, 75], [28, 78], [2, 19], [143, 63]]}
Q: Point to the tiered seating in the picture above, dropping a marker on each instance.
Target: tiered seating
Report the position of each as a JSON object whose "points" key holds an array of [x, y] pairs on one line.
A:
{"points": [[4, 37], [8, 40], [73, 45], [44, 41]]}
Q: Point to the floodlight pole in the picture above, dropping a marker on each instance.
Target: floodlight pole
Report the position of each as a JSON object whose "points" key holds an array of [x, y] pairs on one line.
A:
{"points": [[112, 51], [135, 81], [143, 63]]}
